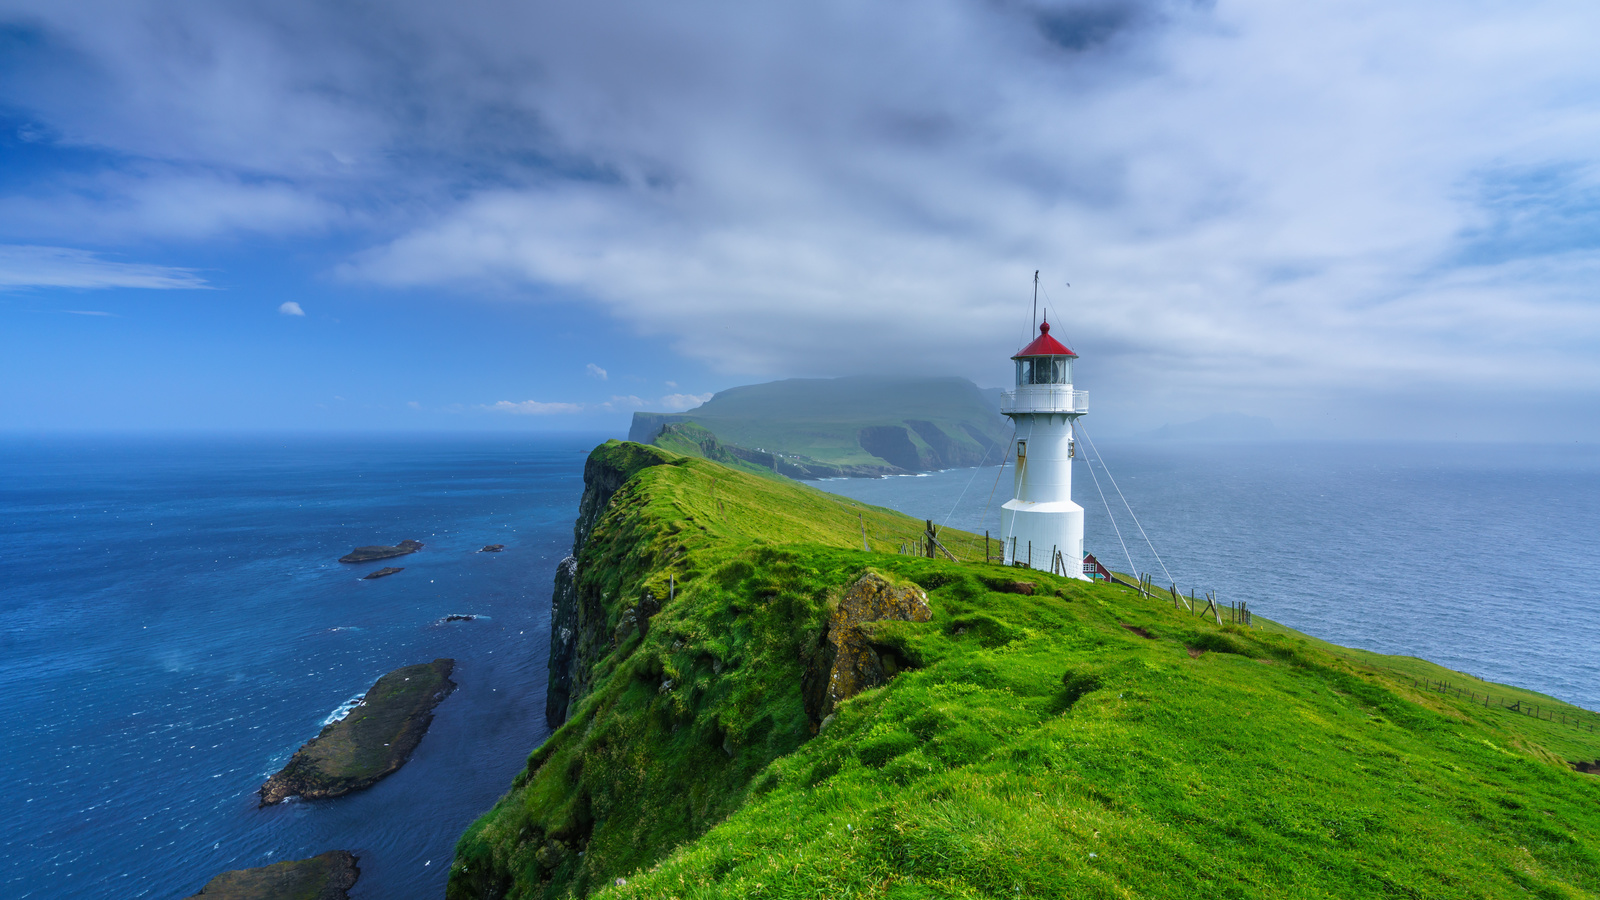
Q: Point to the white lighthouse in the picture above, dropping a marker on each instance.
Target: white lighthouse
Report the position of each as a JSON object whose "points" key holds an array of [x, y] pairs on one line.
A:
{"points": [[1041, 525]]}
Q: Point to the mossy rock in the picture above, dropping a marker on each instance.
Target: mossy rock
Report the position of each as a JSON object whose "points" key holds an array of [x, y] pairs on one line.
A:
{"points": [[326, 877], [370, 743]]}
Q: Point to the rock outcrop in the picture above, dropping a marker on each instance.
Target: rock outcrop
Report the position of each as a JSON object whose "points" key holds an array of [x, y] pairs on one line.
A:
{"points": [[369, 554], [849, 663], [326, 877], [374, 740]]}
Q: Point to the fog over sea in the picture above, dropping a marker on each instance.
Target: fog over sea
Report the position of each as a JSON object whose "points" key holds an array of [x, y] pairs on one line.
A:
{"points": [[177, 623]]}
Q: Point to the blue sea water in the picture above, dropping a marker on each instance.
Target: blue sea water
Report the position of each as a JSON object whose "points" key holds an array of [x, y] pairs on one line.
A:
{"points": [[176, 624], [1483, 558]]}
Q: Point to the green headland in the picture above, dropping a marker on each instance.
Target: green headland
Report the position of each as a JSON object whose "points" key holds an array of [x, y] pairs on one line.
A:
{"points": [[1077, 741], [828, 428]]}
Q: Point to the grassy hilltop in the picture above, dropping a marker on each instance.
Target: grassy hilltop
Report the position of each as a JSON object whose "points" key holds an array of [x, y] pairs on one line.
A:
{"points": [[828, 427], [1078, 741]]}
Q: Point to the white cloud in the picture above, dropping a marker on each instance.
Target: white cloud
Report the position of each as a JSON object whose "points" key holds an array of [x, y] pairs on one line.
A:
{"points": [[1249, 198], [618, 403], [24, 266], [681, 402], [595, 371], [533, 408], [172, 202], [90, 312], [291, 308], [622, 402], [1256, 202]]}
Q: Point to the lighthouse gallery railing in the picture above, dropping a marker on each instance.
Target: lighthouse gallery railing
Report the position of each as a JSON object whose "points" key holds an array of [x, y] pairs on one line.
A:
{"points": [[1044, 399]]}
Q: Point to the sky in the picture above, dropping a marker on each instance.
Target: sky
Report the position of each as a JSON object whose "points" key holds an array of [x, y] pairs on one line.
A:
{"points": [[1358, 219]]}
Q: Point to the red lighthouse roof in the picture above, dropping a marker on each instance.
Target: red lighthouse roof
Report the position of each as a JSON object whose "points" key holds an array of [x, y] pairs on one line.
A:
{"points": [[1044, 345]]}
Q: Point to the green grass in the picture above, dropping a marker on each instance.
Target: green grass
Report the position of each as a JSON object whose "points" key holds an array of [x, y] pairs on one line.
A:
{"points": [[819, 420], [690, 439], [1035, 747]]}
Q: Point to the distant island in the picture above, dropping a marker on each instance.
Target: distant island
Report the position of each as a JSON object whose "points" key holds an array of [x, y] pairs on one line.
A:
{"points": [[810, 428], [326, 877], [370, 743], [370, 554]]}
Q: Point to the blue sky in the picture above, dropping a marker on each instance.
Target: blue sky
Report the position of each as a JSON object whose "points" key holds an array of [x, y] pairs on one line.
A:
{"points": [[1358, 219]]}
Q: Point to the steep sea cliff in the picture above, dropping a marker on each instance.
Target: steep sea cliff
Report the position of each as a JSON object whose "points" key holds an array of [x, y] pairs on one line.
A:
{"points": [[579, 626], [1068, 740]]}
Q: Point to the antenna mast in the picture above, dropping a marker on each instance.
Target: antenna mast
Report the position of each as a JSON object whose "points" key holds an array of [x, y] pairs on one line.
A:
{"points": [[1035, 302]]}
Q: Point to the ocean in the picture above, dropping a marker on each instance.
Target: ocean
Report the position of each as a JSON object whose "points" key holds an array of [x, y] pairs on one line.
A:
{"points": [[177, 623], [1483, 558]]}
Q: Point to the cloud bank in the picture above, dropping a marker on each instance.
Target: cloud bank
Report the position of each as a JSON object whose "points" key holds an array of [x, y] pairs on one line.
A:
{"points": [[1258, 204], [534, 408], [23, 266]]}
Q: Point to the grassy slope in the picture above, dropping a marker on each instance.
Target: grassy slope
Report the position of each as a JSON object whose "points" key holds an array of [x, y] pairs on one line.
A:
{"points": [[1040, 749], [819, 418], [690, 439]]}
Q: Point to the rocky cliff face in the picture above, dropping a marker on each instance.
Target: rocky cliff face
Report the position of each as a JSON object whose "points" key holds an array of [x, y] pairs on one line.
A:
{"points": [[579, 630]]}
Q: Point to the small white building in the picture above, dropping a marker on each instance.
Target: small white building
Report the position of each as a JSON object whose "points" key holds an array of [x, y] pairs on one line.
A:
{"points": [[1040, 525]]}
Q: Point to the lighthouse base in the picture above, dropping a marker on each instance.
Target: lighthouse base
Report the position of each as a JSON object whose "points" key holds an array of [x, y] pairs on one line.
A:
{"points": [[1035, 532]]}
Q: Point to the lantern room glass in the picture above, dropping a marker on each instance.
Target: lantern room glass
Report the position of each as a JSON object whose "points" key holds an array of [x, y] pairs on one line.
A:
{"points": [[1044, 370]]}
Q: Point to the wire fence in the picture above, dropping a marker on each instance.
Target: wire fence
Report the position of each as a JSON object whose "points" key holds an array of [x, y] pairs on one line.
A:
{"points": [[1585, 722], [937, 543], [965, 547]]}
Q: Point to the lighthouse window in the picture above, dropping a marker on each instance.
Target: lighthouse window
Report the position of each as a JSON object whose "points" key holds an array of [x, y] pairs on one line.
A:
{"points": [[1044, 370]]}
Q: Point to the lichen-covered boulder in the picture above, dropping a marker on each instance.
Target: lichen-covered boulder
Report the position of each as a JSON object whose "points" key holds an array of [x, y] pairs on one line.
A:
{"points": [[848, 663]]}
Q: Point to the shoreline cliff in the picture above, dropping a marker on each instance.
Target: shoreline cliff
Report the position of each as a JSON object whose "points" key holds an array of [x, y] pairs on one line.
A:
{"points": [[750, 703]]}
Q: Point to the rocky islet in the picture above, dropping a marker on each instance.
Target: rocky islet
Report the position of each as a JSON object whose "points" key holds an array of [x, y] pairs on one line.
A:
{"points": [[370, 554], [328, 876], [370, 743]]}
